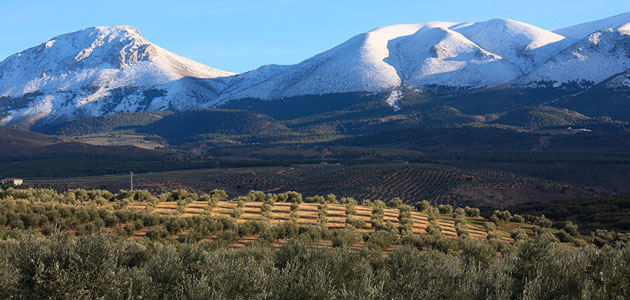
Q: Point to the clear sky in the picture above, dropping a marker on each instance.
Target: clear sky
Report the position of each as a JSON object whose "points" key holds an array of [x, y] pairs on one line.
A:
{"points": [[240, 35]]}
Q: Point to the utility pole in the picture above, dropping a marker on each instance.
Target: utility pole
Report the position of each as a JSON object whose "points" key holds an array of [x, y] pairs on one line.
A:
{"points": [[131, 178]]}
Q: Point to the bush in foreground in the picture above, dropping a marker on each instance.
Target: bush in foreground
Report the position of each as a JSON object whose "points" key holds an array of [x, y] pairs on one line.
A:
{"points": [[62, 266]]}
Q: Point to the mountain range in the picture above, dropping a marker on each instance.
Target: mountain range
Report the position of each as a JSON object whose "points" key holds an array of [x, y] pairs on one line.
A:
{"points": [[107, 70]]}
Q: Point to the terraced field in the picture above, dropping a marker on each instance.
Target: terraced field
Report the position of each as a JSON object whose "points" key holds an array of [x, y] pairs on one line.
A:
{"points": [[307, 214]]}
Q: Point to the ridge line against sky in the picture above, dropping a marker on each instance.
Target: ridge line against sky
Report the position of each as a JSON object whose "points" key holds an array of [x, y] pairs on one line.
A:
{"points": [[241, 35]]}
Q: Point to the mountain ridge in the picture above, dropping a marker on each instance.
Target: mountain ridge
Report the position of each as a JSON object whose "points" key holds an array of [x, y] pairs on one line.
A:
{"points": [[107, 70]]}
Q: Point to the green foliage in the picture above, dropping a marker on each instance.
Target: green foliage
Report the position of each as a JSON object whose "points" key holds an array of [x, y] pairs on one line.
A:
{"points": [[395, 203], [62, 266], [218, 195], [322, 213], [315, 199], [571, 228], [518, 234], [236, 213], [381, 239], [472, 212], [293, 197], [346, 237], [405, 220], [355, 222], [423, 206], [433, 214], [499, 217], [445, 209]]}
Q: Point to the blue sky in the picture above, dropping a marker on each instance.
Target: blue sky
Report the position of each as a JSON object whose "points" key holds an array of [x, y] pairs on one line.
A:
{"points": [[240, 35]]}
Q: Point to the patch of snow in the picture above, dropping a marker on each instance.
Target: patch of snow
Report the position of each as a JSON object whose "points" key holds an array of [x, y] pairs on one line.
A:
{"points": [[394, 97]]}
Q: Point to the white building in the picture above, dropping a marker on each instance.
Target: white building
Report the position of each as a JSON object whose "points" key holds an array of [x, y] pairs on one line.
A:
{"points": [[13, 181]]}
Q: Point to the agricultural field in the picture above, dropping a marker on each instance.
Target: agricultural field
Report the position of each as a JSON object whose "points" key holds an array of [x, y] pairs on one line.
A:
{"points": [[210, 244], [183, 215], [412, 183]]}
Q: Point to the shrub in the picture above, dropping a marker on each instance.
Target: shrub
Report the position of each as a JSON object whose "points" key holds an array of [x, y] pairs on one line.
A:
{"points": [[563, 236], [434, 229], [331, 199], [423, 205], [518, 219], [315, 199], [395, 203], [157, 233], [218, 195], [445, 209], [381, 239], [355, 222], [518, 234], [472, 212], [322, 213], [236, 213], [294, 197], [433, 214], [461, 229], [346, 237], [405, 220], [571, 228]]}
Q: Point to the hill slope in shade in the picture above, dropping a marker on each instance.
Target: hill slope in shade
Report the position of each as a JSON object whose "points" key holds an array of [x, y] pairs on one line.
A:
{"points": [[542, 116], [184, 126]]}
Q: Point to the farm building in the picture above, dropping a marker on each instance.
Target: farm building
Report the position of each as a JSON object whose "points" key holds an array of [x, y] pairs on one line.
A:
{"points": [[13, 181]]}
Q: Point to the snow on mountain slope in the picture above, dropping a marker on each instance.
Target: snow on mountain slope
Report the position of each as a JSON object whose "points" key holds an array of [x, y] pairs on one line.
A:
{"points": [[443, 57], [522, 44], [593, 59], [102, 70], [580, 31], [442, 53], [356, 65], [618, 81]]}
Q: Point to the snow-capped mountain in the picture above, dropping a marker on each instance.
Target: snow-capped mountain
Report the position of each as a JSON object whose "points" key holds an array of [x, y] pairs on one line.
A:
{"points": [[101, 70], [104, 70], [593, 59], [471, 55]]}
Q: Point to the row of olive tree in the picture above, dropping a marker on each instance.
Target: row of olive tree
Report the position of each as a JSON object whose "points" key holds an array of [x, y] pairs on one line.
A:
{"points": [[101, 267]]}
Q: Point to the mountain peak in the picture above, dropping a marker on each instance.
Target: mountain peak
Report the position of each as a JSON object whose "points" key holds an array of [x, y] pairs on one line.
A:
{"points": [[523, 45], [91, 71]]}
